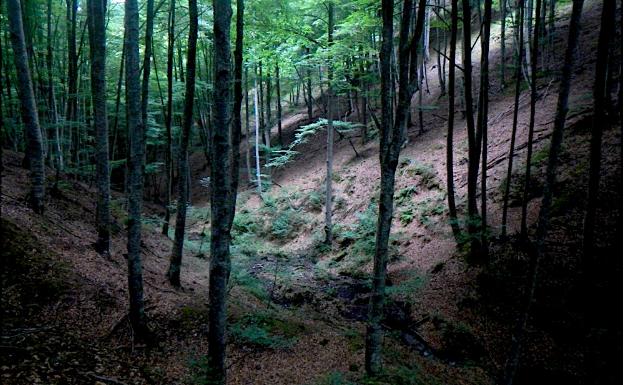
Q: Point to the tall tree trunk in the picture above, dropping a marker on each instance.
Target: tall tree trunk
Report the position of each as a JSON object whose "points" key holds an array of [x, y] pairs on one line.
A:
{"points": [[220, 194], [30, 117], [309, 87], [138, 318], [236, 110], [72, 79], [183, 167], [118, 98], [473, 143], [269, 122], [514, 125], [51, 95], [257, 137], [261, 105], [279, 105], [527, 175], [600, 122], [392, 135], [169, 118], [247, 132], [97, 37], [147, 57], [330, 129], [503, 18], [450, 182], [482, 122], [551, 176]]}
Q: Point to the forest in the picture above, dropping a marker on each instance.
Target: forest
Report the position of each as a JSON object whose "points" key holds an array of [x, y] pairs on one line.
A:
{"points": [[331, 192]]}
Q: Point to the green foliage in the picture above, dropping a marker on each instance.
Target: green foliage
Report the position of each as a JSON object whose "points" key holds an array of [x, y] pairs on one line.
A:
{"points": [[302, 135], [405, 195], [315, 201], [431, 207], [286, 223], [265, 330], [244, 223], [405, 289], [426, 172], [407, 216], [251, 284], [540, 156]]}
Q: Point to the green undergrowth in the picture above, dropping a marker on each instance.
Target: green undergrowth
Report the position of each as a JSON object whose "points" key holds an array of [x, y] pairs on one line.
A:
{"points": [[265, 329]]}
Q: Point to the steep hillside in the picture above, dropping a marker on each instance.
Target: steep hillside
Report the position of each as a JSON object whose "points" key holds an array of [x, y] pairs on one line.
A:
{"points": [[297, 309]]}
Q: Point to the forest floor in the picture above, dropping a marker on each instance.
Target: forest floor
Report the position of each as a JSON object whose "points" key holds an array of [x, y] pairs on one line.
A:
{"points": [[296, 308]]}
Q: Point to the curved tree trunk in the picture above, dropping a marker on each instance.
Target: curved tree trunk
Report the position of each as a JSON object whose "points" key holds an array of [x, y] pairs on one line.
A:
{"points": [[30, 116], [183, 167]]}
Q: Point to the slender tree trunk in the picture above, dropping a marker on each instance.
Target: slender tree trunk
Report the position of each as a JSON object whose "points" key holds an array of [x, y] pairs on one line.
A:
{"points": [[514, 125], [309, 87], [247, 132], [147, 56], [482, 122], [600, 122], [503, 12], [52, 98], [257, 136], [118, 99], [97, 37], [72, 79], [373, 358], [279, 105], [138, 318], [183, 167], [169, 118], [236, 110], [220, 194], [261, 106], [30, 117], [551, 176], [451, 125], [330, 130], [527, 175], [473, 143], [392, 133], [269, 122]]}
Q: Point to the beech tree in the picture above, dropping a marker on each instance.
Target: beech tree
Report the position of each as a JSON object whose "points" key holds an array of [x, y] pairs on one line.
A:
{"points": [[183, 167], [30, 116], [392, 134], [135, 169], [97, 40], [223, 199]]}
